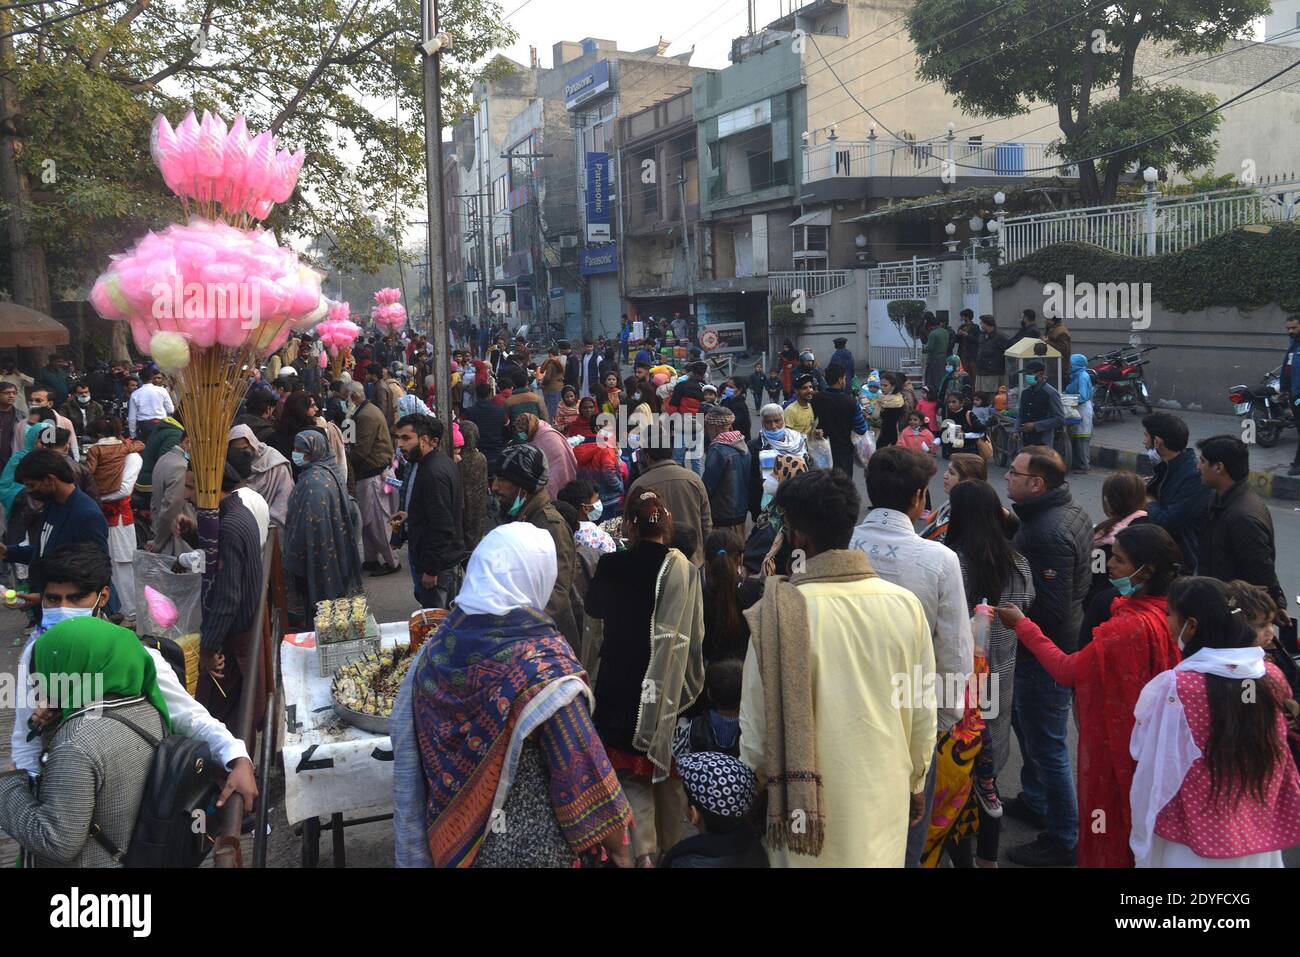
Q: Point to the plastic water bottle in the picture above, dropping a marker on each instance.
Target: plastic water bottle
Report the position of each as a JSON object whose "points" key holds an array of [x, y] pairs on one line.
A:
{"points": [[979, 626]]}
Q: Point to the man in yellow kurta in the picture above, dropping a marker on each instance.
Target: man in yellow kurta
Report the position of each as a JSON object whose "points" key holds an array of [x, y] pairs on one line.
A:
{"points": [[830, 717], [799, 413]]}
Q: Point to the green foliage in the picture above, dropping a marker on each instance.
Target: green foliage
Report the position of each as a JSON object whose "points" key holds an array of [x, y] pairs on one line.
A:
{"points": [[1147, 111], [907, 315], [1244, 268], [1002, 59], [784, 316], [340, 78]]}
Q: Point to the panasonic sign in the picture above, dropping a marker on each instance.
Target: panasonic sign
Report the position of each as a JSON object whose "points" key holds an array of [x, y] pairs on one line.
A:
{"points": [[585, 86]]}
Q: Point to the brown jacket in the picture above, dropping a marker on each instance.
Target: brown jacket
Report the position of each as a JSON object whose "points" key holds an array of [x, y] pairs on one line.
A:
{"points": [[372, 451], [539, 511], [685, 495]]}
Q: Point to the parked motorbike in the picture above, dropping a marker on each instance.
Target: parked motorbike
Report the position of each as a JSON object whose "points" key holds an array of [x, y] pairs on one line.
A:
{"points": [[1118, 383], [1263, 404]]}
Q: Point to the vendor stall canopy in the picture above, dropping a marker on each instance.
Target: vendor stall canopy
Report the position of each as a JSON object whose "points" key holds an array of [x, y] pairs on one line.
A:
{"points": [[21, 327]]}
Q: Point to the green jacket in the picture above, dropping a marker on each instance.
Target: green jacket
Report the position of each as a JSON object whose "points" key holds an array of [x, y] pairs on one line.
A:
{"points": [[166, 436], [372, 452], [937, 344]]}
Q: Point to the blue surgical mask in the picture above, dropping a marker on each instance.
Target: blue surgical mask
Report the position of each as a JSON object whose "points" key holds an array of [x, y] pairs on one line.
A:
{"points": [[299, 459], [515, 508], [1126, 586], [596, 511], [767, 500], [53, 616], [1031, 379], [728, 393], [774, 436]]}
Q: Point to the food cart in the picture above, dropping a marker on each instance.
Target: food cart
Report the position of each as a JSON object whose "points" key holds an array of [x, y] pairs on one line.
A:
{"points": [[1001, 423]]}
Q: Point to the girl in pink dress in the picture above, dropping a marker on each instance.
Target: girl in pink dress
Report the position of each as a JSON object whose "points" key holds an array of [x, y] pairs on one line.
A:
{"points": [[1215, 785]]}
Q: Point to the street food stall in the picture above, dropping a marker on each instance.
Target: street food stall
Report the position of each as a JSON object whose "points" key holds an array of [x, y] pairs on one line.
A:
{"points": [[1001, 422]]}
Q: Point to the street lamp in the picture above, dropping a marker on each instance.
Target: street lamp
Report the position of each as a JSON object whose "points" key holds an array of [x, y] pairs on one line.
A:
{"points": [[1150, 174], [999, 198], [951, 230]]}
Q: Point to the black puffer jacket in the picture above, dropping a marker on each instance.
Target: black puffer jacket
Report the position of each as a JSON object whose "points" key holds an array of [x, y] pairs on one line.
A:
{"points": [[1056, 539], [990, 359], [1237, 541]]}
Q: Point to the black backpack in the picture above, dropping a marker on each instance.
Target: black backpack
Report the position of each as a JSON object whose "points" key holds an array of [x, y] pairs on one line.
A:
{"points": [[178, 786]]}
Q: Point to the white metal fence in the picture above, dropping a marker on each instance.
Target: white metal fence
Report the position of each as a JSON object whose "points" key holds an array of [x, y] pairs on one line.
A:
{"points": [[913, 278], [1154, 226], [782, 286], [887, 156]]}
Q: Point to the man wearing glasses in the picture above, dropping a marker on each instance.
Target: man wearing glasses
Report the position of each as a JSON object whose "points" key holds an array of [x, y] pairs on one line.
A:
{"points": [[1056, 539]]}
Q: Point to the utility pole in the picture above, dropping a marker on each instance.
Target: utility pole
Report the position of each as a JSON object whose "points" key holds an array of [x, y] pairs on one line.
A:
{"points": [[432, 46], [686, 244], [541, 306]]}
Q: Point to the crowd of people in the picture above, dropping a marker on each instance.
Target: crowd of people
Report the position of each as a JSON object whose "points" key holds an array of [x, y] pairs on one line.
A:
{"points": [[678, 633]]}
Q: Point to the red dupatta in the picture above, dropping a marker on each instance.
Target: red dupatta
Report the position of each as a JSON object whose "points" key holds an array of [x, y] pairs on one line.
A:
{"points": [[1125, 653]]}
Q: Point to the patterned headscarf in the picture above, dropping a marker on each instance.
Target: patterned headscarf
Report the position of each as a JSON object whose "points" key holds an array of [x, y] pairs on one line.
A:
{"points": [[718, 783], [788, 466]]}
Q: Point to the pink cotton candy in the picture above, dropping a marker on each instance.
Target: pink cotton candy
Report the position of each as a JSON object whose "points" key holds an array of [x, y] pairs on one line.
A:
{"points": [[324, 360], [161, 608]]}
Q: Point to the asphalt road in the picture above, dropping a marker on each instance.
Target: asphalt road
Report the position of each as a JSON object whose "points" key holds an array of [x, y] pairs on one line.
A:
{"points": [[391, 598]]}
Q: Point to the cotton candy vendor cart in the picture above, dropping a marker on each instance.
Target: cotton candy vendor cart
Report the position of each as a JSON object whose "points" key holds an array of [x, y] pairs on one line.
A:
{"points": [[1001, 424]]}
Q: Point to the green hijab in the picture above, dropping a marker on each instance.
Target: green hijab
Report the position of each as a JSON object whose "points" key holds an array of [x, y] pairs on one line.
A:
{"points": [[9, 486], [93, 646]]}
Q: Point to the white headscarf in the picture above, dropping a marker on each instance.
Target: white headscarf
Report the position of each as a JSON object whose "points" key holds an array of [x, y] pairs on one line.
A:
{"points": [[513, 567]]}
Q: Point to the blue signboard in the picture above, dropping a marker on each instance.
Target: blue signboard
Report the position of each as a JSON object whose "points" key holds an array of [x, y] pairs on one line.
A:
{"points": [[599, 170], [586, 85], [601, 259]]}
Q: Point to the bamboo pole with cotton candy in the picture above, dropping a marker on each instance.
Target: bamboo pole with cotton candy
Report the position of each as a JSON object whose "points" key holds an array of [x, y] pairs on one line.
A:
{"points": [[209, 298]]}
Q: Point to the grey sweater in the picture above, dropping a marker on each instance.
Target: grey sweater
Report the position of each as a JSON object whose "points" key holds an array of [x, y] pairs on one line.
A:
{"points": [[95, 771]]}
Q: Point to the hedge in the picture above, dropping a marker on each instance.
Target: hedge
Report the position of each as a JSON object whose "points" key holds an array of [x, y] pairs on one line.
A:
{"points": [[1242, 268]]}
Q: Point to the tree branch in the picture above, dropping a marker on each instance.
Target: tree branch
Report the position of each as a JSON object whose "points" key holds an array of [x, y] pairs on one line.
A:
{"points": [[317, 71], [186, 59], [124, 20]]}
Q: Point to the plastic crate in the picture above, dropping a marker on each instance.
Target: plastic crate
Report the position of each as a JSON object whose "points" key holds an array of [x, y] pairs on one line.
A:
{"points": [[341, 652]]}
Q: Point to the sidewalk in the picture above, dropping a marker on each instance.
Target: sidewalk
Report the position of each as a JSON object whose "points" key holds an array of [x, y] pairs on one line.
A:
{"points": [[1117, 444]]}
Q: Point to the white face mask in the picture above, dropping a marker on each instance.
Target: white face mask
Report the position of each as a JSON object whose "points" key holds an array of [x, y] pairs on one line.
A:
{"points": [[53, 616], [1181, 646], [596, 511], [1153, 455]]}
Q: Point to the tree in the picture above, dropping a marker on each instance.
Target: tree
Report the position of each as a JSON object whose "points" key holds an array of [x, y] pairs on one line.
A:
{"points": [[1000, 59], [79, 90]]}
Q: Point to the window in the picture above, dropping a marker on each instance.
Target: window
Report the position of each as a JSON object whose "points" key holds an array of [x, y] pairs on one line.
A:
{"points": [[649, 191], [745, 118]]}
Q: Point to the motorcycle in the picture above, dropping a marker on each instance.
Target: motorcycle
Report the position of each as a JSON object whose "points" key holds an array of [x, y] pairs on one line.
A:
{"points": [[1118, 383], [1264, 406]]}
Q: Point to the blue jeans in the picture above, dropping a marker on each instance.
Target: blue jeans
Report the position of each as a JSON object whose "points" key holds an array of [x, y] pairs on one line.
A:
{"points": [[552, 403], [695, 464], [1040, 713]]}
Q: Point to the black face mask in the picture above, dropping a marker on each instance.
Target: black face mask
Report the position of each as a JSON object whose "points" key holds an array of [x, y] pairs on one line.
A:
{"points": [[242, 460]]}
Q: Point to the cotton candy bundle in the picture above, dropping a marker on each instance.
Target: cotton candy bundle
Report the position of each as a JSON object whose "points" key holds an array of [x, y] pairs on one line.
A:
{"points": [[204, 161], [337, 334], [389, 313], [161, 608], [210, 282]]}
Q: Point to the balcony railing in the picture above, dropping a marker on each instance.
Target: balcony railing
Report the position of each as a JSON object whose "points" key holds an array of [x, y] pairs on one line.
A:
{"points": [[887, 156], [905, 279], [782, 286], [1155, 226]]}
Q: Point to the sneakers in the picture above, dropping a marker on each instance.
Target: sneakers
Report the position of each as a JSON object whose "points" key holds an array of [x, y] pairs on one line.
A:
{"points": [[383, 570], [1042, 851], [986, 791], [370, 566], [1018, 809]]}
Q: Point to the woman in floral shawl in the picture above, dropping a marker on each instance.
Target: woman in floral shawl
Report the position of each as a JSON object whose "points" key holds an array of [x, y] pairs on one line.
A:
{"points": [[320, 541], [496, 761]]}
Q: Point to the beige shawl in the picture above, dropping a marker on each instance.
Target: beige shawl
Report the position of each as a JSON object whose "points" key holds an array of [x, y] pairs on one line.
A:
{"points": [[675, 675], [780, 637]]}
